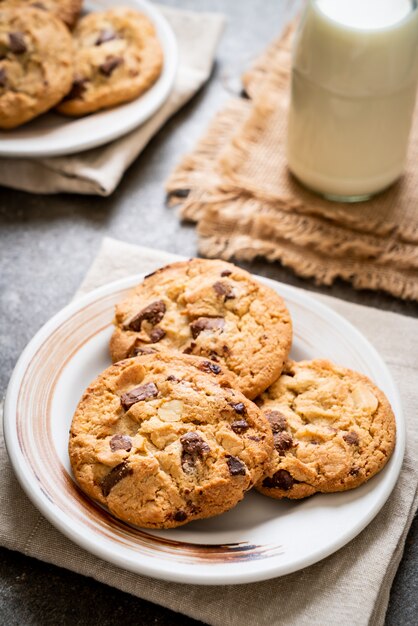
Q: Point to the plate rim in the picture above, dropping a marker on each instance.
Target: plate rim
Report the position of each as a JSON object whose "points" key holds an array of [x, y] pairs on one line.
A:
{"points": [[211, 576], [79, 145]]}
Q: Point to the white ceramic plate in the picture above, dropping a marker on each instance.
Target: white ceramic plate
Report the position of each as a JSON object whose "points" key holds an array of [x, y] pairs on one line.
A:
{"points": [[52, 134], [261, 538]]}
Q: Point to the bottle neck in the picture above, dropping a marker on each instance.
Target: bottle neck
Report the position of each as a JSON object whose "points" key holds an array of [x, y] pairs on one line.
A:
{"points": [[356, 61], [366, 15]]}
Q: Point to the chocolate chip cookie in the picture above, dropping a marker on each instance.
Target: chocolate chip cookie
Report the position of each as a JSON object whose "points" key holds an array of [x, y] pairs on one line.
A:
{"points": [[165, 439], [36, 67], [118, 57], [65, 10], [333, 430], [208, 308]]}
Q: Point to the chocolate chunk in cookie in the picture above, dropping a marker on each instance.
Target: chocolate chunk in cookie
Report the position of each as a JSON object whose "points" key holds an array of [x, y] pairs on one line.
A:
{"points": [[78, 88], [238, 407], [17, 43], [153, 314], [180, 516], [114, 477], [283, 441], [240, 426], [208, 366], [140, 393], [280, 480], [206, 323], [108, 67], [3, 77], [276, 420], [105, 35], [138, 350], [224, 291], [120, 442], [194, 448], [156, 335], [236, 466], [352, 438]]}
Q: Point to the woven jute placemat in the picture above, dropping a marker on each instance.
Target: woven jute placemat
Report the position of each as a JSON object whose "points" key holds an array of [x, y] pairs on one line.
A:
{"points": [[237, 187]]}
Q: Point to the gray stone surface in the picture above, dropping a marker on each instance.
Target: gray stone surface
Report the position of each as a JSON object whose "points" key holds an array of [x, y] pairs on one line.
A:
{"points": [[46, 246]]}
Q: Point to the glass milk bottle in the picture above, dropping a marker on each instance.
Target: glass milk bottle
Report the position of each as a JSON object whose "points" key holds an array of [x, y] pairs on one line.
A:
{"points": [[354, 79]]}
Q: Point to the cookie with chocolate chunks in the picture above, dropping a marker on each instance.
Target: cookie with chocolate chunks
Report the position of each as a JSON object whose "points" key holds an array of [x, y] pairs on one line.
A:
{"points": [[333, 429], [117, 58], [65, 10], [161, 441], [212, 309], [36, 63]]}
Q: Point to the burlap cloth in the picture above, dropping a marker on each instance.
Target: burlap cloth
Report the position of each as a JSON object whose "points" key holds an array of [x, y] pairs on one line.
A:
{"points": [[236, 185], [100, 170], [350, 587]]}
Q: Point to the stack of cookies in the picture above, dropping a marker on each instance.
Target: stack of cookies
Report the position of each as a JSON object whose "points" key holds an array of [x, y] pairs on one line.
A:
{"points": [[110, 57], [202, 403]]}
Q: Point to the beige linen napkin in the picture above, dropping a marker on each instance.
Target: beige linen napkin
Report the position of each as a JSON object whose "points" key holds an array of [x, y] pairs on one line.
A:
{"points": [[99, 171], [350, 587]]}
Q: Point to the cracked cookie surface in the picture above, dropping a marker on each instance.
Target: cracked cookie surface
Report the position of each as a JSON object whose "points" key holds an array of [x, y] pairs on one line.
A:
{"points": [[36, 66], [333, 430], [117, 58], [208, 308], [164, 439], [65, 10]]}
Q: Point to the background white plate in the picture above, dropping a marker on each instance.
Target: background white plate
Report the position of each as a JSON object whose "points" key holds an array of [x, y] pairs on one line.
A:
{"points": [[261, 538], [52, 134]]}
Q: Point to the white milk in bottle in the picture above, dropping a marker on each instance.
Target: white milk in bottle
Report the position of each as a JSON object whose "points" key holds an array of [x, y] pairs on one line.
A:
{"points": [[354, 79]]}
